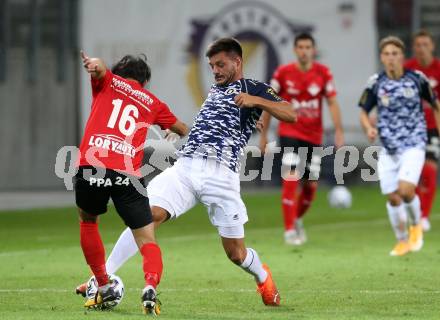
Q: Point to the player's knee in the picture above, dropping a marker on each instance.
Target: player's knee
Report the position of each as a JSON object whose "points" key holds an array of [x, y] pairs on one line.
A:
{"points": [[144, 235], [394, 199], [309, 188], [407, 192], [86, 217], [160, 215]]}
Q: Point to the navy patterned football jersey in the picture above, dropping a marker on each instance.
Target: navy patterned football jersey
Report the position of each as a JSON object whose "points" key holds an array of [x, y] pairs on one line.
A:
{"points": [[400, 118], [221, 129]]}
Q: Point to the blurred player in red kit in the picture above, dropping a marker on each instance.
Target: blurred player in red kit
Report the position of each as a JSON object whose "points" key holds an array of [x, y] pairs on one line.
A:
{"points": [[111, 153], [304, 83], [424, 61]]}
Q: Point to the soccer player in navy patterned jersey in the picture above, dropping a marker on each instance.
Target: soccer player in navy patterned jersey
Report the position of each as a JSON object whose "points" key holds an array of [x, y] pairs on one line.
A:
{"points": [[207, 169], [397, 93]]}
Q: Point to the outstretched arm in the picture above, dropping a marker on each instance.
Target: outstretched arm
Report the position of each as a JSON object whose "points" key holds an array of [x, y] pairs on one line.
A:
{"points": [[279, 109], [176, 131], [180, 128], [94, 66], [335, 113]]}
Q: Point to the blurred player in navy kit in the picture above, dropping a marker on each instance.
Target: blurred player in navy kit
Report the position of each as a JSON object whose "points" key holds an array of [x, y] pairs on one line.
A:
{"points": [[397, 93]]}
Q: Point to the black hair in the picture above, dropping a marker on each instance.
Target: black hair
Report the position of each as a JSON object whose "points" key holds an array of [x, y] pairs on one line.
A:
{"points": [[228, 45], [423, 33], [133, 67], [304, 36]]}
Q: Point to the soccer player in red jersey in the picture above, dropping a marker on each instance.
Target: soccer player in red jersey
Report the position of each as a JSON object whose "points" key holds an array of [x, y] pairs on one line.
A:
{"points": [[304, 83], [111, 155], [424, 61]]}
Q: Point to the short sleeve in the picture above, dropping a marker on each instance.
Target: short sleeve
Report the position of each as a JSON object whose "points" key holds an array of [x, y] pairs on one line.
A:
{"points": [[99, 84], [329, 84], [426, 92], [368, 99], [264, 91], [275, 82], [164, 117]]}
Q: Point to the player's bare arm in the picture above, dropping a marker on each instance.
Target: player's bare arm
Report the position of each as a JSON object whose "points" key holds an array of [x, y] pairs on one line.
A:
{"points": [[335, 112], [176, 131], [282, 110], [260, 125], [95, 66], [180, 128], [265, 119], [369, 129]]}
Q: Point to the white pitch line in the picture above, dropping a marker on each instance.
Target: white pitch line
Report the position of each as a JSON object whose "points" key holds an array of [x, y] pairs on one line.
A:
{"points": [[23, 252], [204, 290]]}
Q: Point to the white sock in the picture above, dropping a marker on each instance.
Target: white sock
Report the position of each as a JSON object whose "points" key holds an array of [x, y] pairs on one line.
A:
{"points": [[124, 249], [253, 265], [398, 220], [414, 210]]}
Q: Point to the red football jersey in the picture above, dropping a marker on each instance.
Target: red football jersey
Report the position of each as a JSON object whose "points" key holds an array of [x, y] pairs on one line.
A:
{"points": [[433, 74], [117, 127], [305, 91]]}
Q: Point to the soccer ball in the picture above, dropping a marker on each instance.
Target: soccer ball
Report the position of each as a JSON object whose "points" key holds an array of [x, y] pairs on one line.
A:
{"points": [[339, 197], [92, 288]]}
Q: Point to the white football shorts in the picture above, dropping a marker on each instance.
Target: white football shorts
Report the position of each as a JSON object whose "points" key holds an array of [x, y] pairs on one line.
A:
{"points": [[406, 166], [192, 180]]}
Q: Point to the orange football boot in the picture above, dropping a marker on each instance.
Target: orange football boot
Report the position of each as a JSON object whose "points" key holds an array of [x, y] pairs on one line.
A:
{"points": [[268, 290]]}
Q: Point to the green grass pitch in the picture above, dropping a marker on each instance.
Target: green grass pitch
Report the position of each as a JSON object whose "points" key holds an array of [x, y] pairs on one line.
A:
{"points": [[343, 272]]}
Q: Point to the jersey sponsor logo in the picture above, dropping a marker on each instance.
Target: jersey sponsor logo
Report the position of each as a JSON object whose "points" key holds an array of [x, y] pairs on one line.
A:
{"points": [[107, 182], [409, 93], [259, 26], [293, 91], [232, 91], [113, 143], [314, 89], [273, 94], [137, 95], [291, 88], [305, 104], [385, 100], [364, 98]]}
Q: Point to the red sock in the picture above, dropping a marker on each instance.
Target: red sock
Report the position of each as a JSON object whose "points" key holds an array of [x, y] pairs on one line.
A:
{"points": [[152, 264], [427, 188], [305, 199], [93, 250], [288, 198]]}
